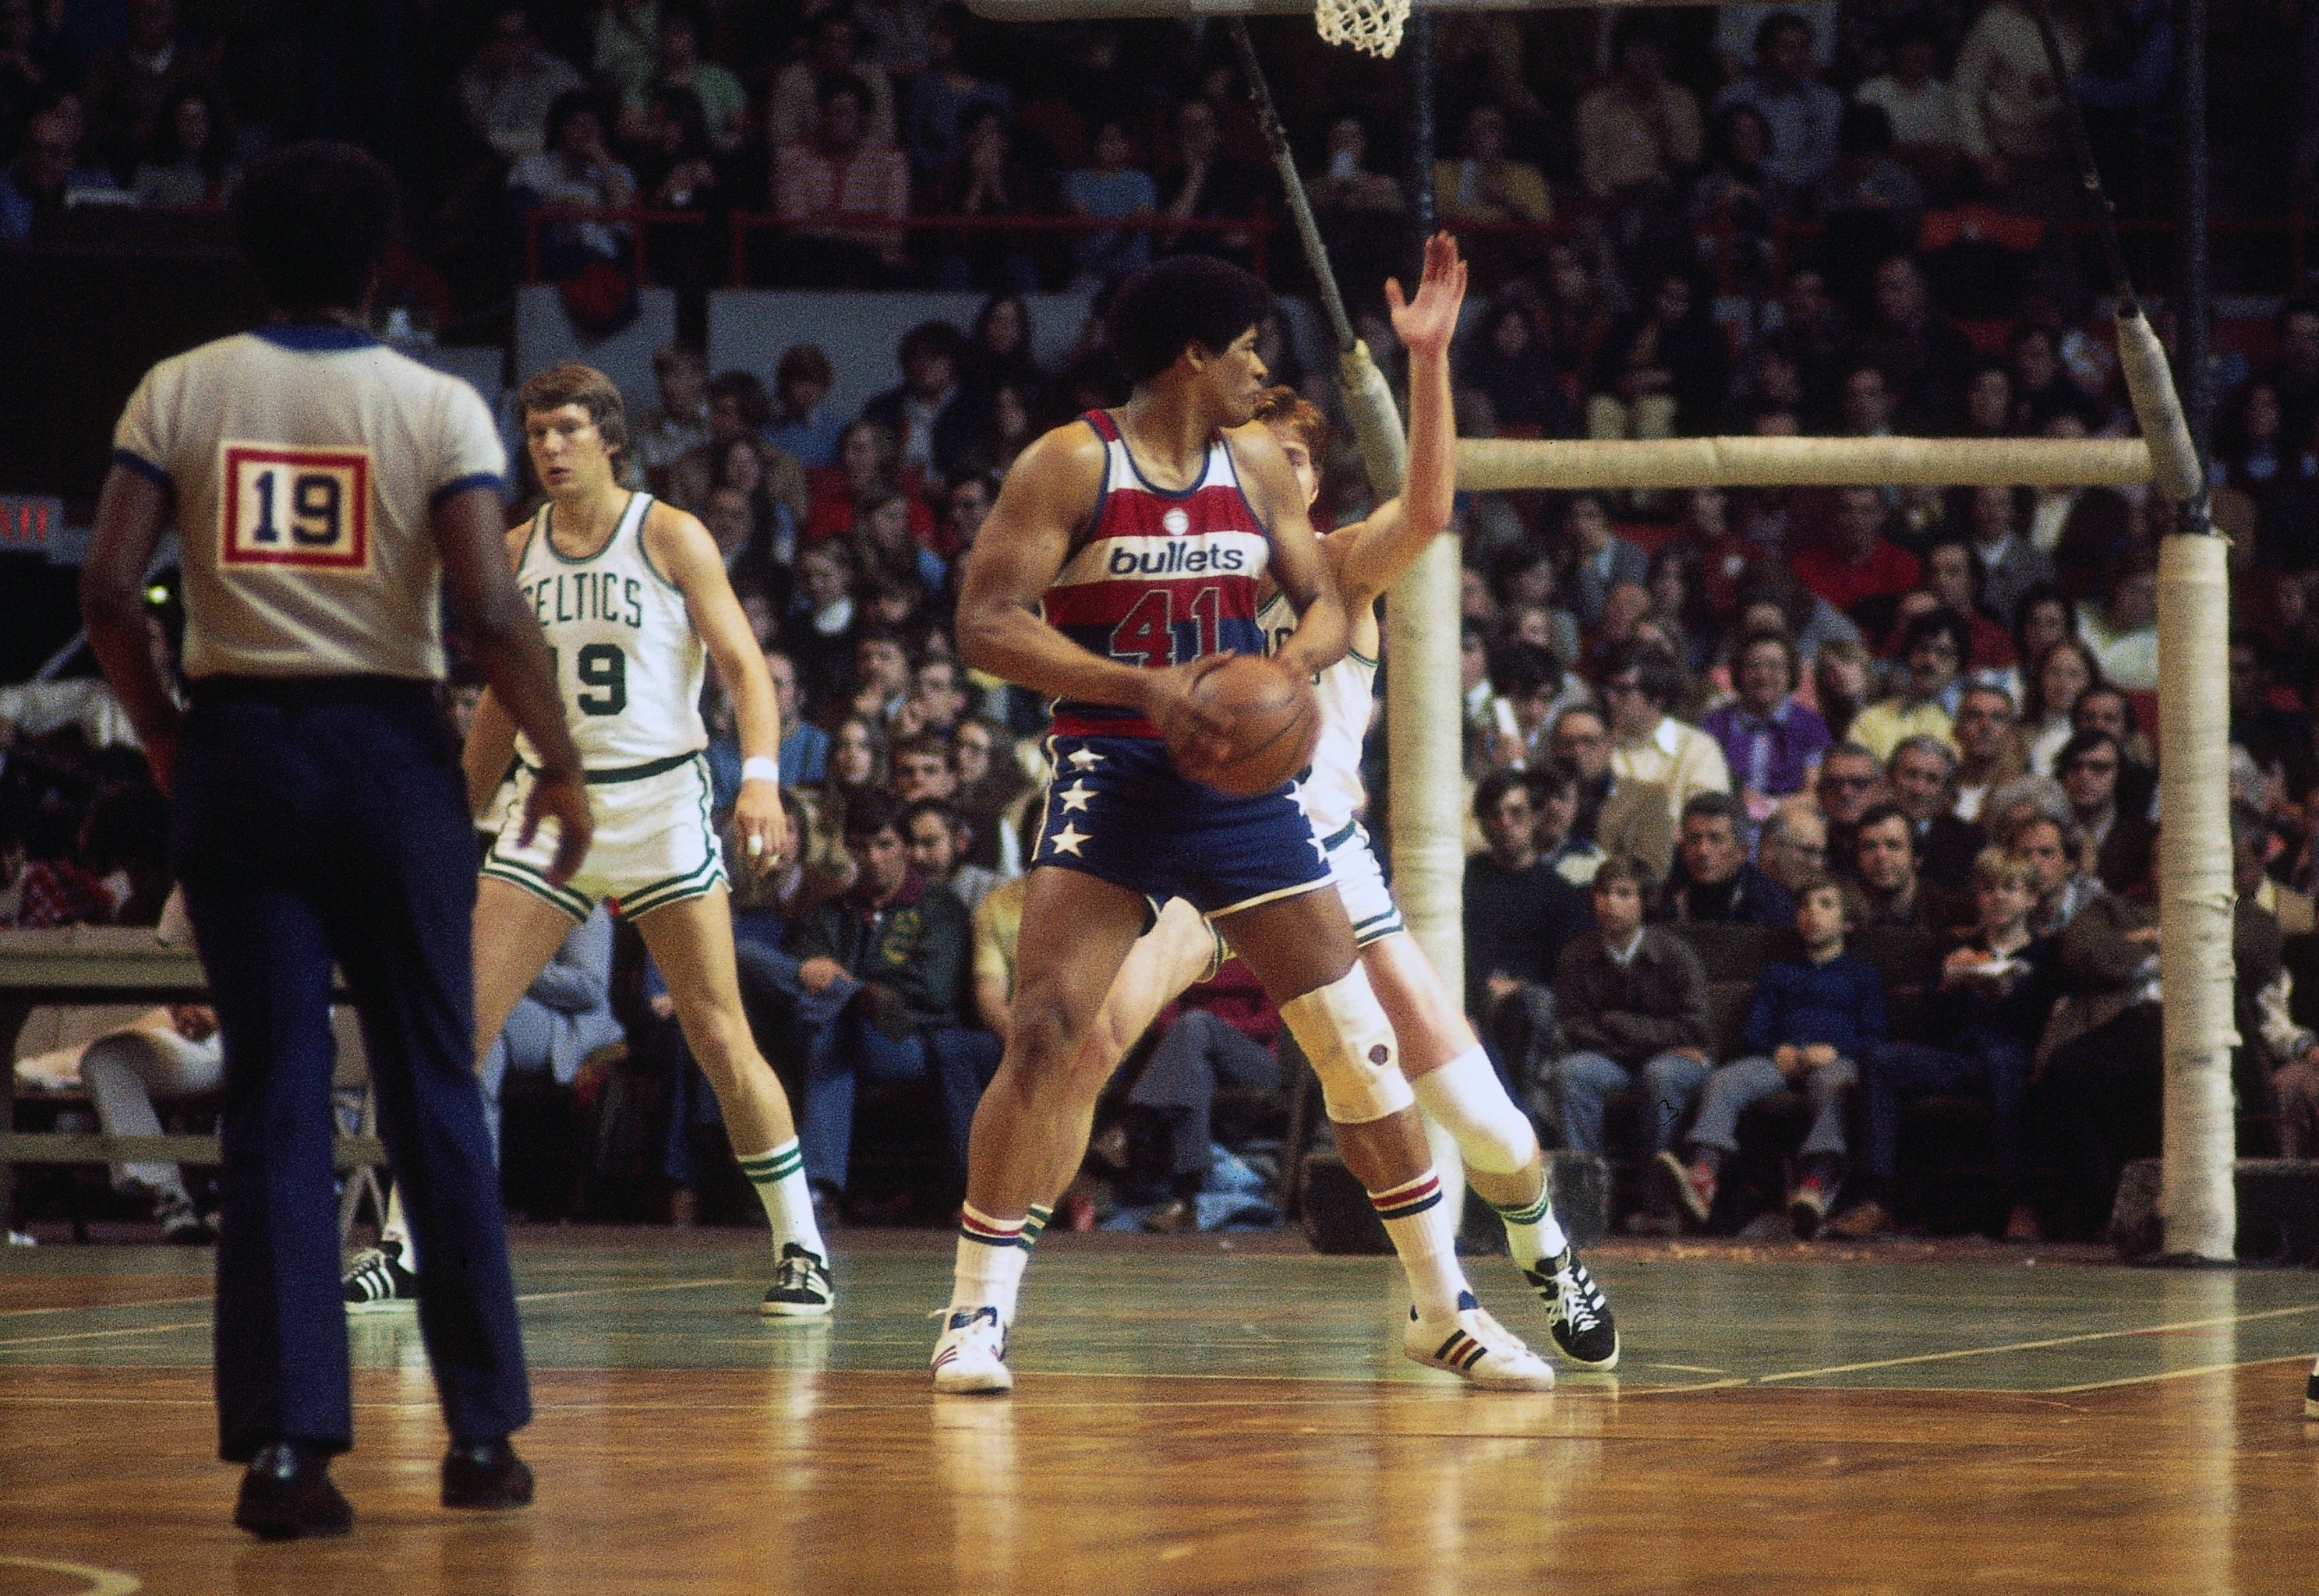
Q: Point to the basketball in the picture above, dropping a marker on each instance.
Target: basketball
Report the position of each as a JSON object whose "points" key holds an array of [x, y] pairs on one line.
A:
{"points": [[1276, 722]]}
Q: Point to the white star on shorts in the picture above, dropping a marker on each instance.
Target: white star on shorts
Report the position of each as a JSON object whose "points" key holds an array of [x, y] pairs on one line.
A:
{"points": [[1319, 849], [1075, 797], [1086, 759], [1069, 840]]}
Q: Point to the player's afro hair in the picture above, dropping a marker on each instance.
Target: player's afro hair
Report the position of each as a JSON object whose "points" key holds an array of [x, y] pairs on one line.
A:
{"points": [[316, 220], [1174, 304]]}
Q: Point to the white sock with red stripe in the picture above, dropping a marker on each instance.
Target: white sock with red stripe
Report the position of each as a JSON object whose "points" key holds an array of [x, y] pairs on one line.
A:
{"points": [[991, 1258], [1425, 1234]]}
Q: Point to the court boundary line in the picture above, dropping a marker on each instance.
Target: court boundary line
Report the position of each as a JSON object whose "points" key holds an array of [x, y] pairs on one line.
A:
{"points": [[2045, 1344]]}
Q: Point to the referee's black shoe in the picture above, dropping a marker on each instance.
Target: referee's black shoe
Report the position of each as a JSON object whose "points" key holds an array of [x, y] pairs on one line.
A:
{"points": [[287, 1494], [486, 1474]]}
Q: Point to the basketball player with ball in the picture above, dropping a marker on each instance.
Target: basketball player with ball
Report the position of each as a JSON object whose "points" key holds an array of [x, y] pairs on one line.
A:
{"points": [[1118, 570]]}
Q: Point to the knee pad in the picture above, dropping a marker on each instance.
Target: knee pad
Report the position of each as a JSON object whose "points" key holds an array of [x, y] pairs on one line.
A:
{"points": [[1466, 1097], [1343, 1031]]}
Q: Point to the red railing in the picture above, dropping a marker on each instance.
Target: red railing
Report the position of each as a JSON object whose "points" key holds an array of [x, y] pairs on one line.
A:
{"points": [[743, 226]]}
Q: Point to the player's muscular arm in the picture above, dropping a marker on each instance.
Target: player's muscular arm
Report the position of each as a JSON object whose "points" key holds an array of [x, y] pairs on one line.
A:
{"points": [[512, 654], [1389, 542], [680, 547], [1020, 550], [1321, 633], [129, 517]]}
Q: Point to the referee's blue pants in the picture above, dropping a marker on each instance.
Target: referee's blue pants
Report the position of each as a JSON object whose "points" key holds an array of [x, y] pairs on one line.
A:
{"points": [[314, 821]]}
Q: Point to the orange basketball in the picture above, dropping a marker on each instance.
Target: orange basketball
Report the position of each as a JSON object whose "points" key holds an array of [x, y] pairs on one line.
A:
{"points": [[1274, 719]]}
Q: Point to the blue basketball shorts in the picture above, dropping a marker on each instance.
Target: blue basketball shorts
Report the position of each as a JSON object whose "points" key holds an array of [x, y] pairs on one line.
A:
{"points": [[1117, 808]]}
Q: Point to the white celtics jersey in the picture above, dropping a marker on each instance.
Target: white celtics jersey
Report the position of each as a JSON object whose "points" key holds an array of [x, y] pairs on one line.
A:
{"points": [[1330, 791], [305, 459], [628, 665]]}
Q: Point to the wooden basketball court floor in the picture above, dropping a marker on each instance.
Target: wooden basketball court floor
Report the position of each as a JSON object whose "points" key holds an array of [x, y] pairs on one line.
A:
{"points": [[1202, 1418]]}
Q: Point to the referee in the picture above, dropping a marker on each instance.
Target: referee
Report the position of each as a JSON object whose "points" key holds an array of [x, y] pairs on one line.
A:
{"points": [[325, 491]]}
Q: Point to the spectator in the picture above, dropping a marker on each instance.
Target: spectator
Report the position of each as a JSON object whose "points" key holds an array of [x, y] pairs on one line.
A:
{"points": [[1851, 780], [2123, 631], [1792, 846], [940, 97], [986, 178], [990, 782], [1713, 883], [922, 768], [1922, 776], [1600, 559], [735, 419], [626, 45], [1994, 990], [1811, 1022], [678, 65], [47, 177], [1989, 750], [1647, 743], [803, 425], [1508, 367], [1990, 409], [843, 192], [1771, 743], [1114, 188], [677, 170], [1885, 868], [1615, 815], [804, 746], [2060, 887], [1734, 208], [1800, 112], [2277, 738], [2101, 1061], [565, 1015], [1921, 352], [888, 557], [1863, 572], [882, 676], [1933, 647], [1487, 185], [1346, 184], [2010, 564], [1917, 103], [868, 471], [1662, 370], [2105, 709], [1864, 402], [169, 1054], [1554, 789], [1520, 911], [576, 171], [1207, 183], [1638, 129], [889, 962], [2062, 675], [679, 423], [129, 83], [510, 85], [31, 65], [937, 834], [190, 161], [795, 108], [963, 513], [2010, 116], [1631, 1000], [923, 413], [2121, 842], [1870, 203], [2040, 619]]}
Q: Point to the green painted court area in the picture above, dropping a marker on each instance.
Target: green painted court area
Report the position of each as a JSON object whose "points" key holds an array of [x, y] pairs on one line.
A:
{"points": [[1989, 1322]]}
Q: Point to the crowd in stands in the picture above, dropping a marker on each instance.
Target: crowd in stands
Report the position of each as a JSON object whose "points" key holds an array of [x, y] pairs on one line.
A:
{"points": [[1853, 720]]}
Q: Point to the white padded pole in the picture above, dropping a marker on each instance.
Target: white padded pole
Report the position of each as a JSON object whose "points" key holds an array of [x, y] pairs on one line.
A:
{"points": [[2157, 408], [1500, 463], [2198, 1201]]}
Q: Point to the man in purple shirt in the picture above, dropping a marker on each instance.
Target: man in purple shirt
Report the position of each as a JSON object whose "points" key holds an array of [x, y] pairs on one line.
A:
{"points": [[1771, 744]]}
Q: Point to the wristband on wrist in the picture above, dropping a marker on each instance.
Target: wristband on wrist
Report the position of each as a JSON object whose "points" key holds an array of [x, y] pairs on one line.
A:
{"points": [[760, 768]]}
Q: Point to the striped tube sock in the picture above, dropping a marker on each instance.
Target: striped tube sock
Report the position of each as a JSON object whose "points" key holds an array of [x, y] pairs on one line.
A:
{"points": [[1034, 1224], [1533, 1235], [778, 1175], [991, 1258], [1425, 1235]]}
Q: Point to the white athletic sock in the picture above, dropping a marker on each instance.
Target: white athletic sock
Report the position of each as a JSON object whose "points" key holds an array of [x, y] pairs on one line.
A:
{"points": [[778, 1175], [991, 1258], [1533, 1235], [394, 1231], [1449, 1164], [1425, 1235]]}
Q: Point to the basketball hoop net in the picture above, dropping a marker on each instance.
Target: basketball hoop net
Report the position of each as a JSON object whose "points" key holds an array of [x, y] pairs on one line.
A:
{"points": [[1372, 26]]}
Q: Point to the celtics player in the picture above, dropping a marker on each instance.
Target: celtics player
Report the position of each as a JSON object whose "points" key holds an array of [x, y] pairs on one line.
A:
{"points": [[1439, 1055], [633, 596]]}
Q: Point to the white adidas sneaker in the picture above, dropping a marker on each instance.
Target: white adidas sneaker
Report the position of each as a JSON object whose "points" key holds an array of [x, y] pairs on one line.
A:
{"points": [[971, 1358], [1477, 1348]]}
